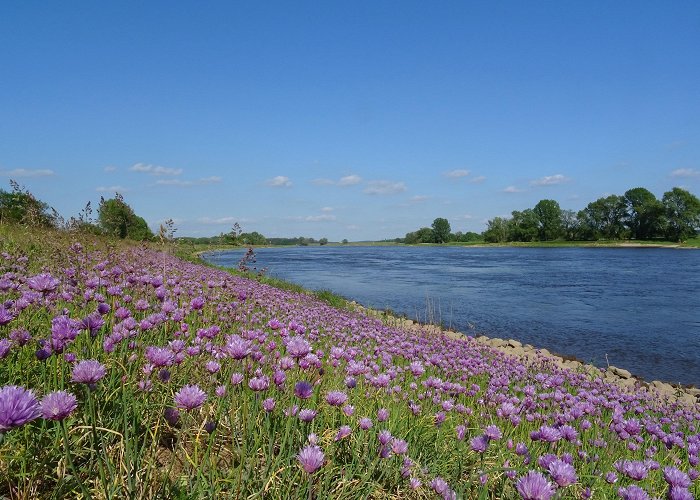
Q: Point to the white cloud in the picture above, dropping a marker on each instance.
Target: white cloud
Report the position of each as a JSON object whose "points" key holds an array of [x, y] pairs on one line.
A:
{"points": [[320, 218], [512, 189], [478, 179], [220, 220], [419, 198], [25, 172], [327, 209], [185, 183], [111, 189], [279, 181], [685, 173], [465, 217], [385, 187], [550, 180], [456, 174], [155, 169], [349, 180], [110, 168]]}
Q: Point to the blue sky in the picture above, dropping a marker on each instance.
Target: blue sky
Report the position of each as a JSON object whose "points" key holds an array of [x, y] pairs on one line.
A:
{"points": [[357, 120]]}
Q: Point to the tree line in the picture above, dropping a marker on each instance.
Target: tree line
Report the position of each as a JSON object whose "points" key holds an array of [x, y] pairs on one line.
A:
{"points": [[637, 214], [439, 232], [114, 216]]}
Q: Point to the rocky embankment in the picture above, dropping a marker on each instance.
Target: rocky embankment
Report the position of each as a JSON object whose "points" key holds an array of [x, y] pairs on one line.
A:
{"points": [[529, 353]]}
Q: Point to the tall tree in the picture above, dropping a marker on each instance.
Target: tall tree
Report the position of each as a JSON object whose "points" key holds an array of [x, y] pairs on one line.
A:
{"points": [[497, 230], [548, 213], [441, 230], [604, 218], [21, 207], [118, 219], [645, 214], [522, 226], [683, 214]]}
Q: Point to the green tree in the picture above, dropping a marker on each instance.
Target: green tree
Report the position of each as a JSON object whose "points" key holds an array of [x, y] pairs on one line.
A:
{"points": [[570, 225], [645, 214], [254, 238], [548, 215], [441, 230], [323, 241], [522, 226], [496, 231], [604, 218], [683, 214], [21, 207], [117, 218]]}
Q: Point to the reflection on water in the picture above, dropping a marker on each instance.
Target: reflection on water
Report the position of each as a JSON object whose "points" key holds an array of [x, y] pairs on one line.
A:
{"points": [[639, 306]]}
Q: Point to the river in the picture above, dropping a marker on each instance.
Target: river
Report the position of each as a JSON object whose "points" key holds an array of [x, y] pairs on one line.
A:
{"points": [[635, 308]]}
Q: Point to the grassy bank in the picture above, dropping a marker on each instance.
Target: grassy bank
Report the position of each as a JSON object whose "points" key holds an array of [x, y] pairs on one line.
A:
{"points": [[127, 372]]}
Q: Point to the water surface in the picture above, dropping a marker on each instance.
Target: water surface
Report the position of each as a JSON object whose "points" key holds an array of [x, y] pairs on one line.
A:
{"points": [[638, 306]]}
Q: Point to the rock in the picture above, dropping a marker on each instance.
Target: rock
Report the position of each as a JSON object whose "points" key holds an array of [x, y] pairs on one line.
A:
{"points": [[619, 372], [514, 343], [663, 388]]}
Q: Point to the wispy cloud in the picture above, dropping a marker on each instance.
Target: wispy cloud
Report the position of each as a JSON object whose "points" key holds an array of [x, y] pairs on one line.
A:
{"points": [[512, 189], [110, 168], [26, 172], [279, 181], [220, 220], [111, 189], [465, 217], [327, 209], [186, 183], [685, 173], [384, 187], [456, 174], [154, 169], [478, 179], [349, 180], [311, 218], [320, 218], [419, 198], [550, 180]]}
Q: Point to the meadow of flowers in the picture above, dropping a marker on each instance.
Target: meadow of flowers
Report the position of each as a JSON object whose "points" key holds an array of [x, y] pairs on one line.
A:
{"points": [[126, 372]]}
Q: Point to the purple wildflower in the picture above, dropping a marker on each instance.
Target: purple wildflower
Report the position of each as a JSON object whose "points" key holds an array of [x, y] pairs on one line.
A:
{"points": [[385, 437], [298, 347], [4, 347], [676, 478], [343, 432], [311, 458], [259, 383], [88, 371], [172, 415], [365, 423], [17, 407], [563, 473], [5, 315], [336, 398], [237, 347], [382, 415], [399, 446], [58, 405], [306, 415], [479, 443], [303, 389], [44, 283], [159, 356], [190, 397], [493, 432], [268, 405], [633, 492], [678, 493], [534, 486]]}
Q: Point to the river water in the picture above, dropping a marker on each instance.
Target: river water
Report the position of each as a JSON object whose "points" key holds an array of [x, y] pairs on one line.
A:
{"points": [[635, 308]]}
